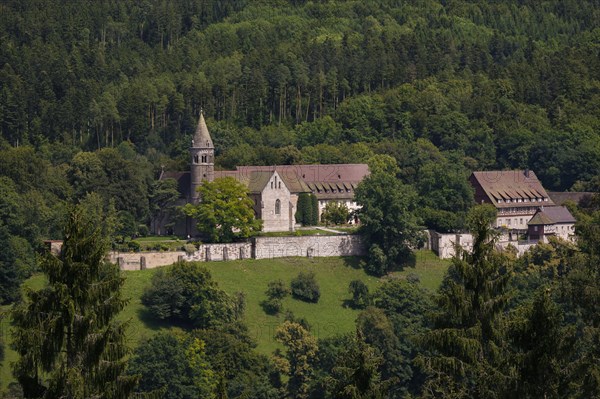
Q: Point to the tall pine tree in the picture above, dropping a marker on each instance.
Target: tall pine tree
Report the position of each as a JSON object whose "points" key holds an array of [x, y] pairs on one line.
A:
{"points": [[463, 350], [66, 335]]}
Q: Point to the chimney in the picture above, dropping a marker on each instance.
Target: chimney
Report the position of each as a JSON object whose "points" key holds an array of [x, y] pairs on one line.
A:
{"points": [[527, 173]]}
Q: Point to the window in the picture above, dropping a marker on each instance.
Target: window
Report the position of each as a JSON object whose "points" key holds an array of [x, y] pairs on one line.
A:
{"points": [[196, 158], [534, 228], [271, 184], [204, 158], [277, 207], [521, 221], [279, 185], [508, 221]]}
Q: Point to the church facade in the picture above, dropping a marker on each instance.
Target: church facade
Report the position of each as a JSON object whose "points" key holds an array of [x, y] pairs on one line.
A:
{"points": [[274, 190]]}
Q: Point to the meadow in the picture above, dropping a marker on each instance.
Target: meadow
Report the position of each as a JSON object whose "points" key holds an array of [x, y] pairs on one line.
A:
{"points": [[330, 316]]}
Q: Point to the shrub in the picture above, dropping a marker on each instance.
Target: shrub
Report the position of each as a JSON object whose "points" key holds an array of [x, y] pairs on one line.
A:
{"points": [[134, 246], [360, 293], [186, 292], [305, 287], [335, 213], [272, 306], [189, 248], [277, 290]]}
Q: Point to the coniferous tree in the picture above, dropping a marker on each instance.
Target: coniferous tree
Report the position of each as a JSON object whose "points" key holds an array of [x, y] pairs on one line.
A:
{"points": [[356, 373], [464, 353], [66, 335]]}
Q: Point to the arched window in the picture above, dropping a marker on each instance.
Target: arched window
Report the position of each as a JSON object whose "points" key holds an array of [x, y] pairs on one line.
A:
{"points": [[204, 158], [277, 207]]}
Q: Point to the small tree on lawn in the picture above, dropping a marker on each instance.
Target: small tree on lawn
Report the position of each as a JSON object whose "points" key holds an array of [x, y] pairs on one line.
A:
{"points": [[225, 211], [360, 293]]}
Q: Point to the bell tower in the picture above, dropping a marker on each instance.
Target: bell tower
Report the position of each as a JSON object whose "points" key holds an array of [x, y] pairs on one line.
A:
{"points": [[202, 154]]}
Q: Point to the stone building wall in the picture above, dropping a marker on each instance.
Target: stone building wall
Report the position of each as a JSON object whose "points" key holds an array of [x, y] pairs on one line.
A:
{"points": [[273, 191]]}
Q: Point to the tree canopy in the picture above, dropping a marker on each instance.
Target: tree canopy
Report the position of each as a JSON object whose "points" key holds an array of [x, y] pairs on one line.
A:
{"points": [[225, 211]]}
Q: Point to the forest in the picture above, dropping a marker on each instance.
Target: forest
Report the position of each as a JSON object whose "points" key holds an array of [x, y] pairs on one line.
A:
{"points": [[100, 96]]}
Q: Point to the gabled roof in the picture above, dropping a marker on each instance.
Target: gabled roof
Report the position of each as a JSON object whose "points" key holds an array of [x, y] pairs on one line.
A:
{"points": [[551, 215], [512, 185], [202, 137], [540, 218]]}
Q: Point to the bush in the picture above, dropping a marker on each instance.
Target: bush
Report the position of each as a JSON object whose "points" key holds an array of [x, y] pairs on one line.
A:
{"points": [[277, 290], [189, 248], [360, 293], [335, 213], [305, 287], [272, 306], [186, 292]]}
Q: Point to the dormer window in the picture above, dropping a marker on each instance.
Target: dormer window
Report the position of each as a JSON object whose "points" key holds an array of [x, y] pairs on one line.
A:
{"points": [[500, 201]]}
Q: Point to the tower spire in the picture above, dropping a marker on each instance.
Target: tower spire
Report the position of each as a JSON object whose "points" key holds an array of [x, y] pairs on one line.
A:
{"points": [[202, 137]]}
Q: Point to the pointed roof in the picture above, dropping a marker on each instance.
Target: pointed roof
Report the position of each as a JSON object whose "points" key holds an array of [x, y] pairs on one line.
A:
{"points": [[202, 136], [551, 215]]}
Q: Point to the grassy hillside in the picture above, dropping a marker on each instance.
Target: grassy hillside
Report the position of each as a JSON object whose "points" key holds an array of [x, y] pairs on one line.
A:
{"points": [[328, 317]]}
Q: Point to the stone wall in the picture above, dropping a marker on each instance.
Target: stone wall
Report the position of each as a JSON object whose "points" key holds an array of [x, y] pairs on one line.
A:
{"points": [[308, 246], [257, 248]]}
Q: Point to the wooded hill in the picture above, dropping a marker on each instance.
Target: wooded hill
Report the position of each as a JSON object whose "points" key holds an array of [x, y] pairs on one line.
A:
{"points": [[97, 96]]}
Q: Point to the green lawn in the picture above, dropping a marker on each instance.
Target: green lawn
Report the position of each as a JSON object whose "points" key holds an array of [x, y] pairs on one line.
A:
{"points": [[328, 317]]}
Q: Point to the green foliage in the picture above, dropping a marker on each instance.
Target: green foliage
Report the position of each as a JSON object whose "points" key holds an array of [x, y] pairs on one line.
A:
{"points": [[542, 348], [356, 373], [186, 293], [277, 289], [388, 219], [304, 213], [163, 196], [463, 347], [174, 364], [225, 211], [335, 213], [10, 276], [66, 335], [272, 306], [301, 350], [305, 287], [231, 354], [360, 293]]}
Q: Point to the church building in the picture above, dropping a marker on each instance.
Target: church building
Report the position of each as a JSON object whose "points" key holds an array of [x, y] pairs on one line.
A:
{"points": [[273, 189]]}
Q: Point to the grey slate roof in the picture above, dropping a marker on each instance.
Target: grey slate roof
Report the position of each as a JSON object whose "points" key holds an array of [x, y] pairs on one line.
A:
{"points": [[552, 215]]}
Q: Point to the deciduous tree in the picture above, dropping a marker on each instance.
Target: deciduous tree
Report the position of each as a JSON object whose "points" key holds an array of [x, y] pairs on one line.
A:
{"points": [[225, 210]]}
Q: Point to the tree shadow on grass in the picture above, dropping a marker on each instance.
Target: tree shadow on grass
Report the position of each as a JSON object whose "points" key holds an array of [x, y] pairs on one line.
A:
{"points": [[155, 324], [409, 261], [355, 262]]}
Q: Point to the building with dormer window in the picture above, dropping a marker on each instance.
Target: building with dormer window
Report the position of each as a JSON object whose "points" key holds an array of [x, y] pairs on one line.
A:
{"points": [[273, 189]]}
